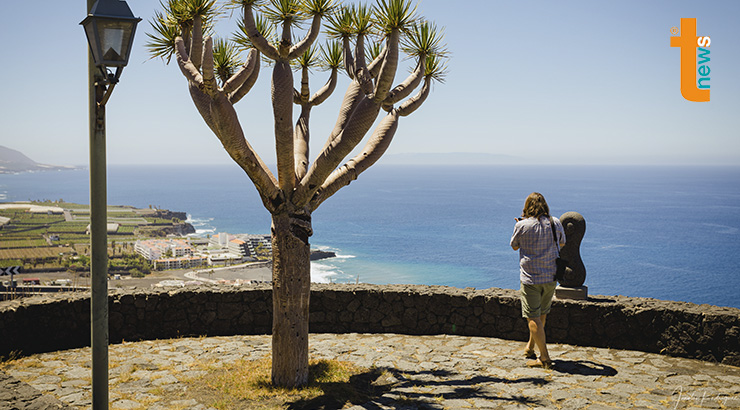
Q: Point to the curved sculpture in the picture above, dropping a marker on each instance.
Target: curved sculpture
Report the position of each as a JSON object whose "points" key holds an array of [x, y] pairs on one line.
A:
{"points": [[575, 227]]}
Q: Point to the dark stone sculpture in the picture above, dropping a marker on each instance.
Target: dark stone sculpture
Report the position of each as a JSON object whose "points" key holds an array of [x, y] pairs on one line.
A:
{"points": [[575, 228]]}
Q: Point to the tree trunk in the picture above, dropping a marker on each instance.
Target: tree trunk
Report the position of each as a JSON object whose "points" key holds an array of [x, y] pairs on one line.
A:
{"points": [[291, 289]]}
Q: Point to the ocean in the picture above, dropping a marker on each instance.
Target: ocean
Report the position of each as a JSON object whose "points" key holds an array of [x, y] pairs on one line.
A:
{"points": [[659, 232]]}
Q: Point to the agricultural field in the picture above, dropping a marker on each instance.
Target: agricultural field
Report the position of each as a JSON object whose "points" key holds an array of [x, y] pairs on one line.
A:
{"points": [[41, 236]]}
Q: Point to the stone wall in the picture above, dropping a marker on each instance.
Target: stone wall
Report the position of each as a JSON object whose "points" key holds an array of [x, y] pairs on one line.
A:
{"points": [[55, 322]]}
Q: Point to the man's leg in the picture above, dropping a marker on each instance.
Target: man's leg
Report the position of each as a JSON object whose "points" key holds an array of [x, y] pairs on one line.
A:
{"points": [[531, 343], [537, 335]]}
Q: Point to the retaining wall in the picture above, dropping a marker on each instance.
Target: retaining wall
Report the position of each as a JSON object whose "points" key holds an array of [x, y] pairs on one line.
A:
{"points": [[62, 321]]}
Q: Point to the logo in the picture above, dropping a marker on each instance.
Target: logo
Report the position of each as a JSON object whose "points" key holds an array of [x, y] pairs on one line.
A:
{"points": [[691, 45]]}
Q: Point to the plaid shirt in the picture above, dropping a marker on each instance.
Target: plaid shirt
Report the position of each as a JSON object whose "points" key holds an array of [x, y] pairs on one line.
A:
{"points": [[537, 251]]}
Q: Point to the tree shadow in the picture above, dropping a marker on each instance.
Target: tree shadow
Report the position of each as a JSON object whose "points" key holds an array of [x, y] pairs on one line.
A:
{"points": [[583, 368], [394, 388]]}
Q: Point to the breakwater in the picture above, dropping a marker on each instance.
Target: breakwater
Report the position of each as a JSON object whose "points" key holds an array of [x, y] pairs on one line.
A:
{"points": [[56, 322]]}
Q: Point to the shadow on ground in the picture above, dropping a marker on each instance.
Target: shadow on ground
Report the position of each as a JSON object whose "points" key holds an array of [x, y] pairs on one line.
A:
{"points": [[583, 368], [394, 388]]}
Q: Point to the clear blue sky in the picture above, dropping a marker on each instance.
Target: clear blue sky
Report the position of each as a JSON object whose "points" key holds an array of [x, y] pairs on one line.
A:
{"points": [[584, 82]]}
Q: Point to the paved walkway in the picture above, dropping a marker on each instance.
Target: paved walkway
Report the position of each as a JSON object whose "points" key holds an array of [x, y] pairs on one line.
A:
{"points": [[426, 372]]}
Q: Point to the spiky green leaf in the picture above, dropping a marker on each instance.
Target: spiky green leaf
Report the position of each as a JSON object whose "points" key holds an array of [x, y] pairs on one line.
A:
{"points": [[436, 67], [332, 55], [392, 15], [373, 50], [340, 24], [362, 19], [285, 12], [318, 7], [225, 59], [424, 38], [162, 42], [309, 59]]}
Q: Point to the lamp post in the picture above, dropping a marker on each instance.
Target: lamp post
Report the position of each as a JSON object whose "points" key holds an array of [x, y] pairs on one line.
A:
{"points": [[109, 27]]}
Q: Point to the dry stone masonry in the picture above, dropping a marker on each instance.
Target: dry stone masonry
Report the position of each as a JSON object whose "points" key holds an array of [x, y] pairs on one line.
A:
{"points": [[56, 322]]}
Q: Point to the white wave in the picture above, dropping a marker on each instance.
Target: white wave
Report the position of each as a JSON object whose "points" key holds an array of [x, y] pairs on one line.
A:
{"points": [[198, 221], [340, 256], [322, 273], [335, 250], [202, 231]]}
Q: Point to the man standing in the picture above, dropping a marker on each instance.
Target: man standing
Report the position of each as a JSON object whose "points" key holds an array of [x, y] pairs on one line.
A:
{"points": [[533, 239]]}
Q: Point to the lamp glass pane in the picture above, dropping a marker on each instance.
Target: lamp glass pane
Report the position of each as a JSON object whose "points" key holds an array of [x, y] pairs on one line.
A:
{"points": [[115, 38], [112, 39]]}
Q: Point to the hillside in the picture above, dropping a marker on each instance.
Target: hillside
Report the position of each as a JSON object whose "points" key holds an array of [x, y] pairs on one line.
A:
{"points": [[12, 161]]}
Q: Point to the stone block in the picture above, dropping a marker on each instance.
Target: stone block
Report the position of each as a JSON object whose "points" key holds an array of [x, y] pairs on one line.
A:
{"points": [[577, 293]]}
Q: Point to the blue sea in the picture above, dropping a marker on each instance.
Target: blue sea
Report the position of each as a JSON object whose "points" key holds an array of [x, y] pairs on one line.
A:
{"points": [[659, 232]]}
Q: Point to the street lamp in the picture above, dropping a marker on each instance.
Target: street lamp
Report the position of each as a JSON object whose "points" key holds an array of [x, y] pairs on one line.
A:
{"points": [[109, 27]]}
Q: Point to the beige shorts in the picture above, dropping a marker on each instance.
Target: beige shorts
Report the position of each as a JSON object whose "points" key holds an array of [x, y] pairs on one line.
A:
{"points": [[537, 299]]}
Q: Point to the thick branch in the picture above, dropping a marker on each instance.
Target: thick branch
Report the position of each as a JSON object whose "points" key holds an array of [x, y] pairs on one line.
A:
{"points": [[352, 97], [412, 104], [360, 53], [374, 66], [362, 74], [249, 82], [241, 76], [326, 90], [355, 92], [231, 135], [196, 48], [301, 139], [257, 39], [286, 40], [349, 61], [388, 69], [311, 36], [359, 123], [209, 74], [202, 103], [282, 106], [183, 61], [404, 89], [305, 90], [371, 153], [297, 97]]}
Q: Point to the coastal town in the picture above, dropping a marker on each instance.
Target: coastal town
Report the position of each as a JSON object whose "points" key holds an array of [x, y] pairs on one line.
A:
{"points": [[47, 244]]}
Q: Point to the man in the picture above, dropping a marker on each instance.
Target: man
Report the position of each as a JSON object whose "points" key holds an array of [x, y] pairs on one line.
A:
{"points": [[533, 239]]}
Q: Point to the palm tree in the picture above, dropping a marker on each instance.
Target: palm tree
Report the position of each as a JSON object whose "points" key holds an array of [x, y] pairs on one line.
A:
{"points": [[266, 32]]}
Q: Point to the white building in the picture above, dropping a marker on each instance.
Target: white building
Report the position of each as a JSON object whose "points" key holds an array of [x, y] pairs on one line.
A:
{"points": [[180, 263], [153, 249]]}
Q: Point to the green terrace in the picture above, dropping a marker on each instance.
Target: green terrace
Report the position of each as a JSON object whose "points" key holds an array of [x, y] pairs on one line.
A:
{"points": [[46, 234]]}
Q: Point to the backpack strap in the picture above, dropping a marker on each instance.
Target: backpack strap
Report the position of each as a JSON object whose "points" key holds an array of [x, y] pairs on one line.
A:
{"points": [[554, 236]]}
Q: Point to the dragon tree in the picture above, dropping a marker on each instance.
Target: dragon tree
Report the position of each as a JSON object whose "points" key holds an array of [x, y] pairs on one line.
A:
{"points": [[368, 44]]}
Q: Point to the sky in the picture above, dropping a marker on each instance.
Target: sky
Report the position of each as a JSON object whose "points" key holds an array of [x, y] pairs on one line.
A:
{"points": [[567, 82]]}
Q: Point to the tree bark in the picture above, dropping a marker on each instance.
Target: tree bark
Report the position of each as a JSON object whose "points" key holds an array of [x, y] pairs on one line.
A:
{"points": [[291, 289]]}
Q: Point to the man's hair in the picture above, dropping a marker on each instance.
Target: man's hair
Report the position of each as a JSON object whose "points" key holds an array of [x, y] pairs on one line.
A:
{"points": [[535, 206]]}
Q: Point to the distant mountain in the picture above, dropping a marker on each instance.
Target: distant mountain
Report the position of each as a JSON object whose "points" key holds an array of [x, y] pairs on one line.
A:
{"points": [[12, 161], [449, 158]]}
